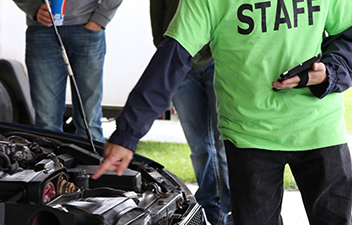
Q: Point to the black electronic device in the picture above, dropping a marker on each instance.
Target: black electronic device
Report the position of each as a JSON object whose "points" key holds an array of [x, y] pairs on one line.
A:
{"points": [[306, 65]]}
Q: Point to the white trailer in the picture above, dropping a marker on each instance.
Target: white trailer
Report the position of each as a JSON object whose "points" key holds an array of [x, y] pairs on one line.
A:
{"points": [[129, 50]]}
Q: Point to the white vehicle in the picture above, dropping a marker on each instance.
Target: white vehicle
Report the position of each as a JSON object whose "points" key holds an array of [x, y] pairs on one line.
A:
{"points": [[129, 50]]}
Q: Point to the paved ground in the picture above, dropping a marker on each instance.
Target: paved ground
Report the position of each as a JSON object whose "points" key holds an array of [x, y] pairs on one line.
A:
{"points": [[293, 212]]}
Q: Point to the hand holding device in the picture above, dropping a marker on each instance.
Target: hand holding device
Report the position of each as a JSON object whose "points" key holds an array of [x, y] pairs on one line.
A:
{"points": [[300, 70], [306, 65]]}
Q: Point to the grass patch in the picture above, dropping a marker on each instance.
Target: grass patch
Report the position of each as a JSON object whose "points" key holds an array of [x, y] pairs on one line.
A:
{"points": [[348, 108], [289, 180], [173, 156]]}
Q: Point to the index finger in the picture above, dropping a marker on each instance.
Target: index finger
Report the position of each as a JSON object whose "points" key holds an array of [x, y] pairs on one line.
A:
{"points": [[100, 171], [111, 164], [291, 80]]}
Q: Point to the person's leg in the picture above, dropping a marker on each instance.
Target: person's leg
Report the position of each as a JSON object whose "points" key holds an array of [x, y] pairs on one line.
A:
{"points": [[191, 103], [220, 161], [47, 77], [256, 183], [324, 178], [86, 50]]}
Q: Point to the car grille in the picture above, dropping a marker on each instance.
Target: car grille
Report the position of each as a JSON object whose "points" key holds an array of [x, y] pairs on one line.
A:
{"points": [[194, 217]]}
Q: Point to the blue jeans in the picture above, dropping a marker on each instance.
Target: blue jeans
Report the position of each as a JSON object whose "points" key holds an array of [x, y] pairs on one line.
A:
{"points": [[194, 101], [48, 76], [323, 176]]}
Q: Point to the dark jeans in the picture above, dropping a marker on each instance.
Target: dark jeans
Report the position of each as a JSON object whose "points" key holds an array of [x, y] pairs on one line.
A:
{"points": [[322, 175], [48, 76], [195, 104]]}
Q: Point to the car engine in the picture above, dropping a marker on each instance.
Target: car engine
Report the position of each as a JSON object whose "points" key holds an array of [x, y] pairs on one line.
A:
{"points": [[45, 179]]}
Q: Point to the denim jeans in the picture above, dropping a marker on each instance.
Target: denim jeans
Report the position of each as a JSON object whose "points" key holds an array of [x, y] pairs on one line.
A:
{"points": [[323, 177], [48, 75], [194, 101]]}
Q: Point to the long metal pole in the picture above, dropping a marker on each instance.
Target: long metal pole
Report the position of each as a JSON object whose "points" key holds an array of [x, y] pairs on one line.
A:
{"points": [[72, 79]]}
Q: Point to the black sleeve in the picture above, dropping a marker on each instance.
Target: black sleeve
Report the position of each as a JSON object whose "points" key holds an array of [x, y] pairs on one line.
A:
{"points": [[152, 94], [337, 57]]}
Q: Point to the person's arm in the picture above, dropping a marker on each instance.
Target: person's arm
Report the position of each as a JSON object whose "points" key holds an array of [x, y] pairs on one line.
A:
{"points": [[104, 12], [337, 57], [35, 10], [148, 99], [29, 7]]}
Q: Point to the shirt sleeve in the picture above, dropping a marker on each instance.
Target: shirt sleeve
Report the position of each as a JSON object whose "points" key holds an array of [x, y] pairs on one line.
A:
{"points": [[337, 57], [29, 7], [152, 94]]}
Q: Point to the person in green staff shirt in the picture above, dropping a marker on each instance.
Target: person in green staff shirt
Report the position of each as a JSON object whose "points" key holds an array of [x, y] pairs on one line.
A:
{"points": [[252, 44]]}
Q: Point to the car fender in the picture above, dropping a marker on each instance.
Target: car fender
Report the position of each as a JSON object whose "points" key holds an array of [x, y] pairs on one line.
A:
{"points": [[14, 77]]}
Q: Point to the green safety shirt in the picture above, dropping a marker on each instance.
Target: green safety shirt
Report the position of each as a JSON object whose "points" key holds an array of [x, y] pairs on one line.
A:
{"points": [[253, 42]]}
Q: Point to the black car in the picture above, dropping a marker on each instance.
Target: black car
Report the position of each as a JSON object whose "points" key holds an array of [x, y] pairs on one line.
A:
{"points": [[45, 179]]}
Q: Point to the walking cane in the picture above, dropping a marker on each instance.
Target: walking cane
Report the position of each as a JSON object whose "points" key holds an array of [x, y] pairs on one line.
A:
{"points": [[72, 79]]}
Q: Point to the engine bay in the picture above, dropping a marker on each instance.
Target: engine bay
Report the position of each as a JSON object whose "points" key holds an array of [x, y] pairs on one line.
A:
{"points": [[45, 179]]}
